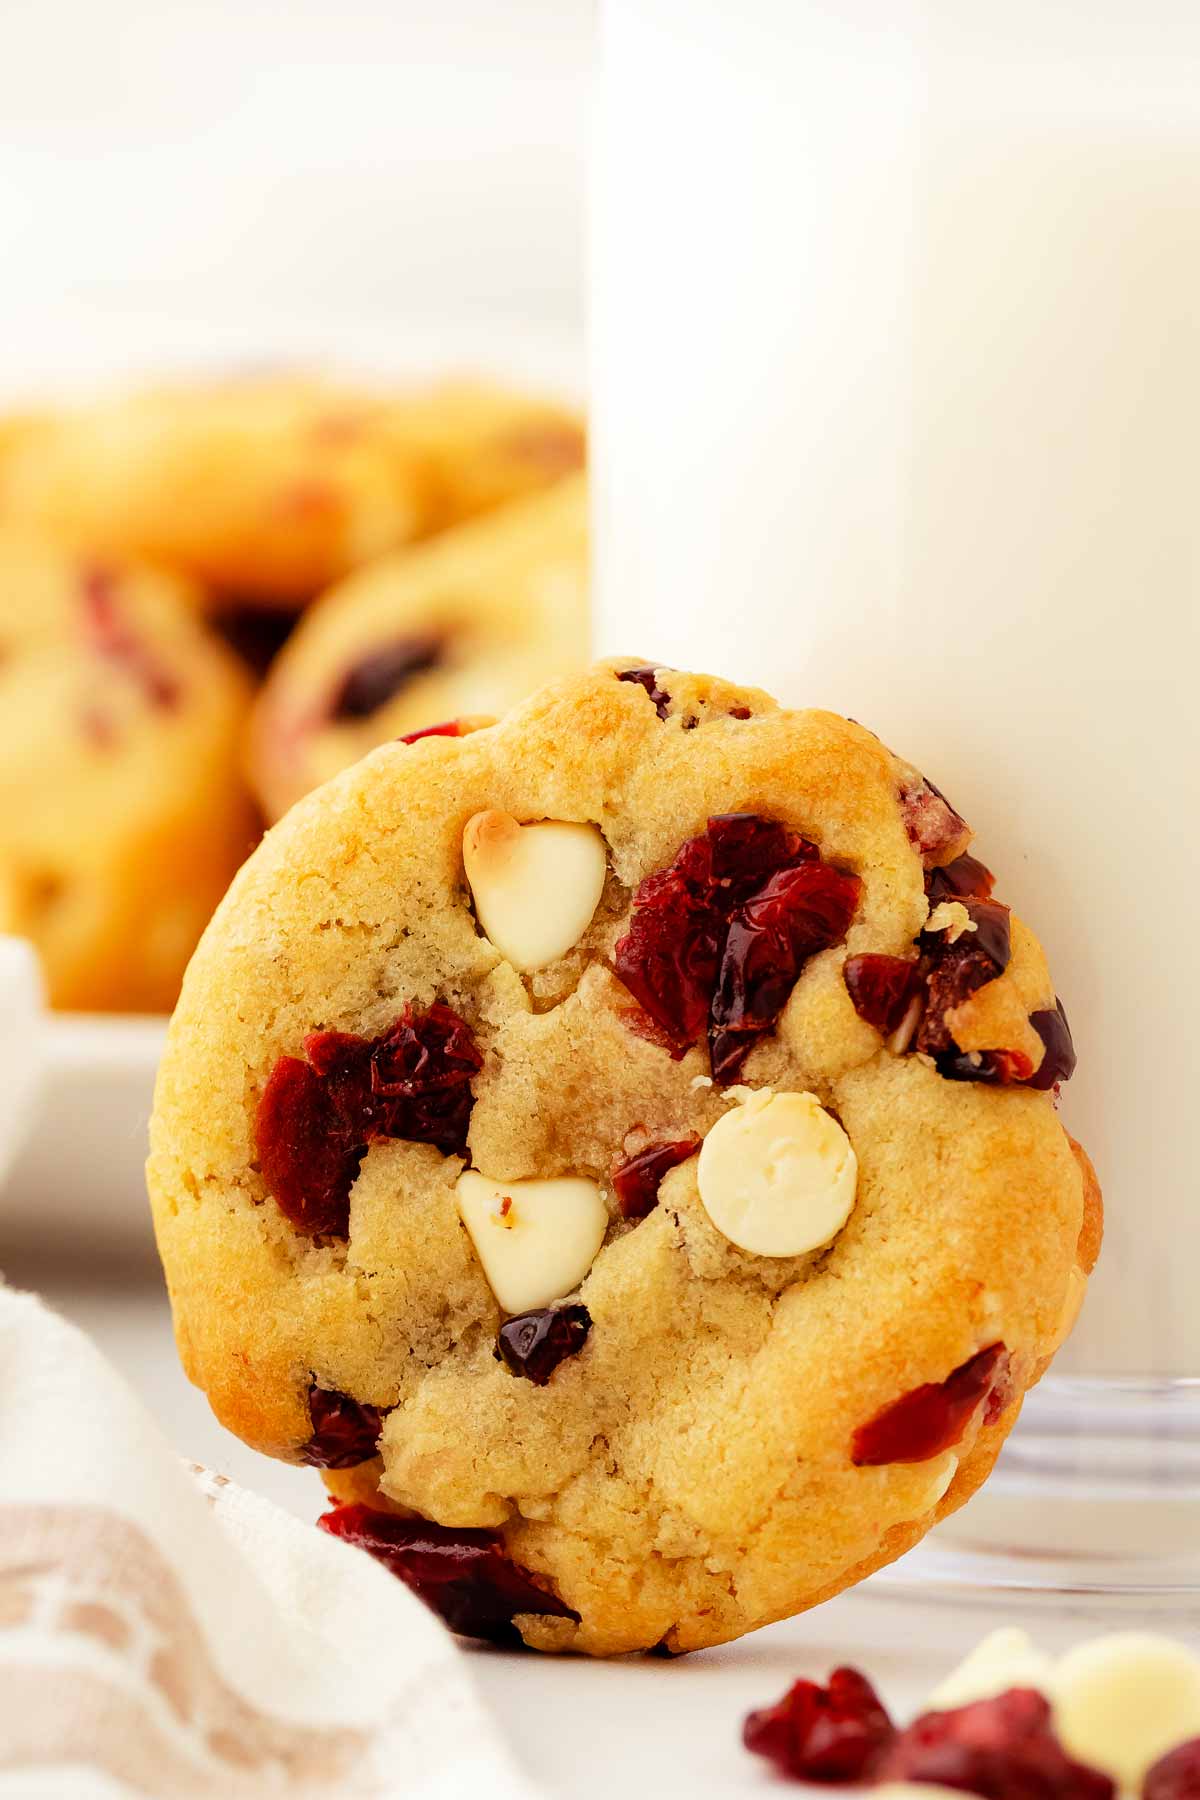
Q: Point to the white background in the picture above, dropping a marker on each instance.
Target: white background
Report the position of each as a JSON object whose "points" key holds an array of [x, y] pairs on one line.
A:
{"points": [[246, 166]]}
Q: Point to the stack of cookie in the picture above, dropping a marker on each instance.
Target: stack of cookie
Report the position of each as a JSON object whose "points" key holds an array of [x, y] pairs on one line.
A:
{"points": [[422, 552]]}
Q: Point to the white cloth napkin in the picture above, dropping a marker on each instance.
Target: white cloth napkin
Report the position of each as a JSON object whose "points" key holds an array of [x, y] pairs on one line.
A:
{"points": [[164, 1633]]}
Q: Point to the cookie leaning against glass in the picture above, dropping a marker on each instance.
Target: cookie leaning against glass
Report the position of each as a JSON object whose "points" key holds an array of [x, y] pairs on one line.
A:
{"points": [[618, 1146]]}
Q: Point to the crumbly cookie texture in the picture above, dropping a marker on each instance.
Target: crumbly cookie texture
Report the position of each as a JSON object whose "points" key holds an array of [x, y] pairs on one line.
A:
{"points": [[122, 812], [453, 630], [673, 1438]]}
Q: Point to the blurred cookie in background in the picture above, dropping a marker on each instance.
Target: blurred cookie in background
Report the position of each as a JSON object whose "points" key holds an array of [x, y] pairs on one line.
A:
{"points": [[262, 489], [465, 625], [265, 489], [123, 814], [484, 444]]}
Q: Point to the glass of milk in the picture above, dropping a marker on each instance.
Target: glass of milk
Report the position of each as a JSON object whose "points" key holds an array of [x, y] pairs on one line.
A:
{"points": [[896, 389]]}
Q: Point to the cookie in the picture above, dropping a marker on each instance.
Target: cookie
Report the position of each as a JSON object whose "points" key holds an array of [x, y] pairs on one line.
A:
{"points": [[263, 489], [465, 625], [619, 1147], [267, 489], [122, 812], [485, 444]]}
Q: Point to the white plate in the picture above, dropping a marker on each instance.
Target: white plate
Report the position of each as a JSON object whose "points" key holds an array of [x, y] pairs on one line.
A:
{"points": [[81, 1169]]}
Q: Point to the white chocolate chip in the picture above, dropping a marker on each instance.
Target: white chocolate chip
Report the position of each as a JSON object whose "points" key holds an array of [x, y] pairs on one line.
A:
{"points": [[911, 1790], [542, 1244], [1122, 1701], [906, 1030], [1004, 1659], [939, 1486], [535, 886], [777, 1175], [952, 917]]}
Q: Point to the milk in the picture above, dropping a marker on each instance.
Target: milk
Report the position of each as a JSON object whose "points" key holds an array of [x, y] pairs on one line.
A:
{"points": [[896, 379]]}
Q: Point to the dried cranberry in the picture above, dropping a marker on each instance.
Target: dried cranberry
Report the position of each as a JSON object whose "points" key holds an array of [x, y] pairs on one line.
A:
{"points": [[770, 938], [307, 1161], [316, 1118], [1058, 1063], [881, 988], [995, 1068], [1175, 1776], [931, 822], [670, 956], [1003, 1748], [446, 728], [716, 940], [379, 676], [534, 1343], [463, 1576], [832, 1734], [745, 851], [637, 1180], [114, 638], [931, 1418], [648, 678], [992, 934], [958, 880], [953, 972], [345, 1432]]}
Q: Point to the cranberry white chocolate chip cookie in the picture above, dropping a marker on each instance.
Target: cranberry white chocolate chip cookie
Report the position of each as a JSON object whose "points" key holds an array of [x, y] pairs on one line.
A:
{"points": [[538, 1151], [463, 626], [485, 445], [262, 488], [122, 816]]}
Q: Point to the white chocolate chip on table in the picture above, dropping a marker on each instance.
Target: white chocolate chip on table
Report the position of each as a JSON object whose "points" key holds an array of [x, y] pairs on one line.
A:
{"points": [[538, 1246], [1005, 1659], [777, 1175], [1123, 1701], [1119, 1702], [535, 886]]}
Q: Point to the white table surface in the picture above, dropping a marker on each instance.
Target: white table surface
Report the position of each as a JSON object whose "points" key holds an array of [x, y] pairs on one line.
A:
{"points": [[649, 1726]]}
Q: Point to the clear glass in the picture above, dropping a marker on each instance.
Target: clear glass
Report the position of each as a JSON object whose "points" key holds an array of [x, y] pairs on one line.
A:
{"points": [[896, 381]]}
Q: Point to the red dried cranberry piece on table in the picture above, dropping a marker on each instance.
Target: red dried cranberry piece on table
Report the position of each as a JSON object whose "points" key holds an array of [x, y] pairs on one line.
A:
{"points": [[1175, 1776], [534, 1343], [463, 1576], [959, 880], [315, 1119], [113, 637], [881, 988], [931, 1418], [648, 678], [932, 824], [831, 1734], [344, 1431], [1004, 1749], [637, 1180], [445, 728], [717, 939], [379, 676]]}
